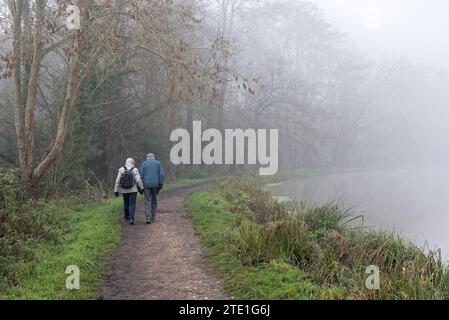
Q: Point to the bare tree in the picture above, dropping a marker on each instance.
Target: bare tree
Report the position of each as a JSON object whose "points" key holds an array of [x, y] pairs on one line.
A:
{"points": [[37, 34]]}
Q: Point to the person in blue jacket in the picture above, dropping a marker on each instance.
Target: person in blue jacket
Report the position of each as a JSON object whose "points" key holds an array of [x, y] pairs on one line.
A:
{"points": [[152, 175]]}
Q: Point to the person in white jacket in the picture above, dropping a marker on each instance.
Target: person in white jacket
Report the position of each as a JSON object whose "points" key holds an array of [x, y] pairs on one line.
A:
{"points": [[128, 183]]}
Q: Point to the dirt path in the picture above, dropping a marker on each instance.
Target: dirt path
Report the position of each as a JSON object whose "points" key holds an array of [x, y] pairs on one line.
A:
{"points": [[162, 260]]}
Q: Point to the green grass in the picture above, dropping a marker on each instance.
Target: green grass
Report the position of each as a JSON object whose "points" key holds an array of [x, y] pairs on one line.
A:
{"points": [[283, 175], [273, 280], [94, 234], [183, 183], [266, 249], [68, 232]]}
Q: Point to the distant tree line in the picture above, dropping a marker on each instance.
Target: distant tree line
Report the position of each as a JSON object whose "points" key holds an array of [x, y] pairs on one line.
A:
{"points": [[75, 103]]}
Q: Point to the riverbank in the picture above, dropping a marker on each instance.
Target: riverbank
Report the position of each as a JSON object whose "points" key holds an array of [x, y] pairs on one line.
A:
{"points": [[265, 249], [39, 240], [408, 201]]}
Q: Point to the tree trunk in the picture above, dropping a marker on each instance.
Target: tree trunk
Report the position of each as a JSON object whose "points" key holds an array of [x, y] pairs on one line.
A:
{"points": [[16, 9], [26, 95]]}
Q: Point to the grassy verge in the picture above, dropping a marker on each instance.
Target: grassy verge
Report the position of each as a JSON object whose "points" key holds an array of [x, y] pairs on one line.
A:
{"points": [[39, 240], [183, 183], [283, 175], [264, 249], [89, 234], [273, 280]]}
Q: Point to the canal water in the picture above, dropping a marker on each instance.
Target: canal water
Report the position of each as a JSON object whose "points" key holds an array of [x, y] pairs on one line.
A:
{"points": [[411, 202]]}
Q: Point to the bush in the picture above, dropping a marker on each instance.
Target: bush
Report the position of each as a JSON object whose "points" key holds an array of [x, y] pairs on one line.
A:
{"points": [[10, 189], [22, 225]]}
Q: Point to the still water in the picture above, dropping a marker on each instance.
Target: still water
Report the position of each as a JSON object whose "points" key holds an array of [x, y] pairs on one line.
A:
{"points": [[412, 202]]}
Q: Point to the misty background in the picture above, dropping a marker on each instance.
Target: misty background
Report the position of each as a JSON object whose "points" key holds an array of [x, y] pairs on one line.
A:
{"points": [[358, 89], [413, 29], [350, 85]]}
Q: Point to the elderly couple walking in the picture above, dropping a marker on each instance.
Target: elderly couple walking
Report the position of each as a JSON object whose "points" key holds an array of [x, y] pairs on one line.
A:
{"points": [[148, 180]]}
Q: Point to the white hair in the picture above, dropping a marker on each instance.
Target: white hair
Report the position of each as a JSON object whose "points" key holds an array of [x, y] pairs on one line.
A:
{"points": [[129, 163], [150, 156]]}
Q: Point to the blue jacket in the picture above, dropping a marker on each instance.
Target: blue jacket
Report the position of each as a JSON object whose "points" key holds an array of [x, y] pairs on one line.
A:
{"points": [[152, 173]]}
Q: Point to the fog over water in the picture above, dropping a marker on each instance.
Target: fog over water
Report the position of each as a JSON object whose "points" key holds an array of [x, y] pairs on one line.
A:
{"points": [[403, 136], [411, 202]]}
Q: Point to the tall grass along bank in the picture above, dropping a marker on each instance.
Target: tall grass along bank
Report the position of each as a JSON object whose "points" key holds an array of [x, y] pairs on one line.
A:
{"points": [[265, 249]]}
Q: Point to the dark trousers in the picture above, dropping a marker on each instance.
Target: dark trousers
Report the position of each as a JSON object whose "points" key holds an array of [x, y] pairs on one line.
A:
{"points": [[130, 200], [151, 203]]}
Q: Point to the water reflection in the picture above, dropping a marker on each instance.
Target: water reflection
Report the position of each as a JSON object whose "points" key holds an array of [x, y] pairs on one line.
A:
{"points": [[413, 203]]}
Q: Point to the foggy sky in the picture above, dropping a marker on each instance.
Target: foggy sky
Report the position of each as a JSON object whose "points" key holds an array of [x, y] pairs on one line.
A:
{"points": [[414, 29]]}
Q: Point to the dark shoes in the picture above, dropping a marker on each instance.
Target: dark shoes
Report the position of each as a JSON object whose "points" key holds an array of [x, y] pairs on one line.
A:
{"points": [[131, 221]]}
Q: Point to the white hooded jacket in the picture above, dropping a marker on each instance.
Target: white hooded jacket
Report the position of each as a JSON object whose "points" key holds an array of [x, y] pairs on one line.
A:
{"points": [[137, 180]]}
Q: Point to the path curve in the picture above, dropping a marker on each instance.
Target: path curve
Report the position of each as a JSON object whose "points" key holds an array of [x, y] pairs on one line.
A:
{"points": [[163, 260]]}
